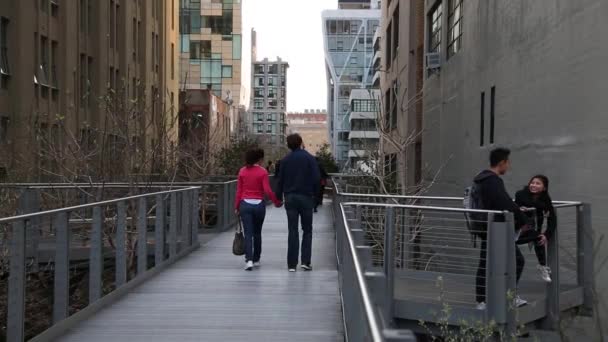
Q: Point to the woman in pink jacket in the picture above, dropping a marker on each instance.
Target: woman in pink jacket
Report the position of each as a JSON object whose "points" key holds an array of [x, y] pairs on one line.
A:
{"points": [[252, 185]]}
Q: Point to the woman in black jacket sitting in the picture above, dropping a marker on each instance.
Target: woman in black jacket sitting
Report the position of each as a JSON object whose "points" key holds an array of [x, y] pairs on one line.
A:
{"points": [[534, 199]]}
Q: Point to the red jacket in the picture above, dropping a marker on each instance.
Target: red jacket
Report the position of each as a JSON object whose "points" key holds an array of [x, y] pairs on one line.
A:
{"points": [[253, 184]]}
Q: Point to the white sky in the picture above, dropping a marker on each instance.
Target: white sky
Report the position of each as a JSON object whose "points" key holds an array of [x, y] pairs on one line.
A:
{"points": [[290, 29]]}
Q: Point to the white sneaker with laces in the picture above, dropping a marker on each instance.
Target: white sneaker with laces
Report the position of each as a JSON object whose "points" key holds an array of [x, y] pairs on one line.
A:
{"points": [[545, 273], [519, 302], [481, 306], [257, 264], [249, 265]]}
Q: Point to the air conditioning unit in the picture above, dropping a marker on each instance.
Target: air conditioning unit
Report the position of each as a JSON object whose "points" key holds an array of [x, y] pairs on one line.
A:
{"points": [[433, 60]]}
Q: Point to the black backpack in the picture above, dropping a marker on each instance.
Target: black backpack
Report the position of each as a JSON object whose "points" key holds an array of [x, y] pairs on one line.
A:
{"points": [[476, 222]]}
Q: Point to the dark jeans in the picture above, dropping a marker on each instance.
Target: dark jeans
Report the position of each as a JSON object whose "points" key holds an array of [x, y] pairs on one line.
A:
{"points": [[480, 280], [319, 199], [253, 219], [299, 207], [531, 236]]}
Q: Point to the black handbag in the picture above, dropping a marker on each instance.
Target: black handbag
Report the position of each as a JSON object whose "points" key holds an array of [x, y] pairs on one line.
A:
{"points": [[238, 245]]}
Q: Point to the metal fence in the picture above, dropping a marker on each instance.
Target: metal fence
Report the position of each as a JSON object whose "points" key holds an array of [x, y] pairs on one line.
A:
{"points": [[121, 242], [363, 289], [424, 245]]}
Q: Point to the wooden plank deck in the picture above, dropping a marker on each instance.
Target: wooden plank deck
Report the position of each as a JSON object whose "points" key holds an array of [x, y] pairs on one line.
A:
{"points": [[209, 297]]}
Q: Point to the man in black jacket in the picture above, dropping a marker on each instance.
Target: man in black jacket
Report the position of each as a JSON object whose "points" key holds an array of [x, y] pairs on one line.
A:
{"points": [[494, 196], [299, 181]]}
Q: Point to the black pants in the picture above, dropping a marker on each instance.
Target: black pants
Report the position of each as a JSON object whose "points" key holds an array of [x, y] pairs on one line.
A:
{"points": [[480, 279], [531, 236], [299, 207], [319, 199]]}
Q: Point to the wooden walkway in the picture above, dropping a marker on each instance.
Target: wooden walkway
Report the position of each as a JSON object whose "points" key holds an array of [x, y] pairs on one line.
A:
{"points": [[208, 296]]}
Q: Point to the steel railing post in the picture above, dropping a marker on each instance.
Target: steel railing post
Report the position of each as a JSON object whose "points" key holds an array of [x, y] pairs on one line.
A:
{"points": [[159, 231], [16, 284], [173, 226], [61, 292], [585, 254], [96, 256], [142, 236], [121, 244], [553, 289], [389, 262]]}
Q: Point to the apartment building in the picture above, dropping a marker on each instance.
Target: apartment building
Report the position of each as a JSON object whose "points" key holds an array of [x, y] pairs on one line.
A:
{"points": [[348, 42], [63, 62], [312, 126], [207, 124], [399, 59], [364, 137], [211, 47], [269, 102]]}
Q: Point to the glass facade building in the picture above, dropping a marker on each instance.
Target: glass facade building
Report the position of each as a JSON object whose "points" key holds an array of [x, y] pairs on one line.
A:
{"points": [[349, 50], [211, 47]]}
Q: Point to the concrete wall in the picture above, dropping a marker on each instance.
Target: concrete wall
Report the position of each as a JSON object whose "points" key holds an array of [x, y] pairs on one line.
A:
{"points": [[547, 62]]}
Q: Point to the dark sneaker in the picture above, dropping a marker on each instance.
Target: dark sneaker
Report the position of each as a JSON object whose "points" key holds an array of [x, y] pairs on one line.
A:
{"points": [[306, 267]]}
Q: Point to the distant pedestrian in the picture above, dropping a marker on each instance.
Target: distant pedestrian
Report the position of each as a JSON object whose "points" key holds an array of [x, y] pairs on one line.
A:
{"points": [[270, 167], [252, 184], [535, 201], [299, 180], [493, 196], [323, 183]]}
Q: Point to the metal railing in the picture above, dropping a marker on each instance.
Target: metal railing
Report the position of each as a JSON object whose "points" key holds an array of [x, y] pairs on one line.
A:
{"points": [[423, 246], [126, 241], [362, 290]]}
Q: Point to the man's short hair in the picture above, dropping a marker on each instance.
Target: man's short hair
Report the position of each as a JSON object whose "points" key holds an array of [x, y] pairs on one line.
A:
{"points": [[294, 141], [498, 155], [253, 156]]}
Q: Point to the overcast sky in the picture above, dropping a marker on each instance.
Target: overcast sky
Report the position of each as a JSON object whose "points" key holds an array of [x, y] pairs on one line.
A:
{"points": [[290, 29]]}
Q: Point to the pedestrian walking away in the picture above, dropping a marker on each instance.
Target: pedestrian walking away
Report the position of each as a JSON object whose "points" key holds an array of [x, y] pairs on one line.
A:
{"points": [[299, 181], [535, 201], [252, 184], [490, 189]]}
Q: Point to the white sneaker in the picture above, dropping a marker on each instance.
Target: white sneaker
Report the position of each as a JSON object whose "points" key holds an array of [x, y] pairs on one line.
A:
{"points": [[292, 270], [520, 302], [257, 264], [481, 306], [545, 273], [249, 266]]}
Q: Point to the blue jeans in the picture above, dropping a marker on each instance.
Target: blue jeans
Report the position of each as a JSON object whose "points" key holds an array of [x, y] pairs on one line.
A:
{"points": [[299, 207], [253, 216]]}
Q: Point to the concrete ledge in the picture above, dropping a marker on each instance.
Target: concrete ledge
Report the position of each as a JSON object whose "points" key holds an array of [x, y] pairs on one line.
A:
{"points": [[71, 322]]}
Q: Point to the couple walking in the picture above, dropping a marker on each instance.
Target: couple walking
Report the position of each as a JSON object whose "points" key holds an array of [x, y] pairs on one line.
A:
{"points": [[298, 182], [534, 214]]}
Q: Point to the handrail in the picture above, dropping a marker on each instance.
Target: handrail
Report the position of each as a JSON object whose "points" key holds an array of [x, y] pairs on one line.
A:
{"points": [[406, 206], [90, 205], [370, 314]]}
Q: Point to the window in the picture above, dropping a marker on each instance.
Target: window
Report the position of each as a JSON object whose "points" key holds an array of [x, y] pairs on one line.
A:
{"points": [[272, 117], [396, 32], [258, 128], [388, 49], [492, 119], [435, 28], [172, 61], [259, 117], [236, 46], [364, 106], [54, 82], [258, 92], [482, 119], [54, 7], [3, 129], [83, 16], [273, 69], [44, 6], [227, 71], [387, 108], [273, 104], [200, 49], [112, 24], [83, 80], [454, 27], [218, 24], [272, 93], [43, 64], [258, 104], [260, 81], [259, 68], [4, 65]]}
